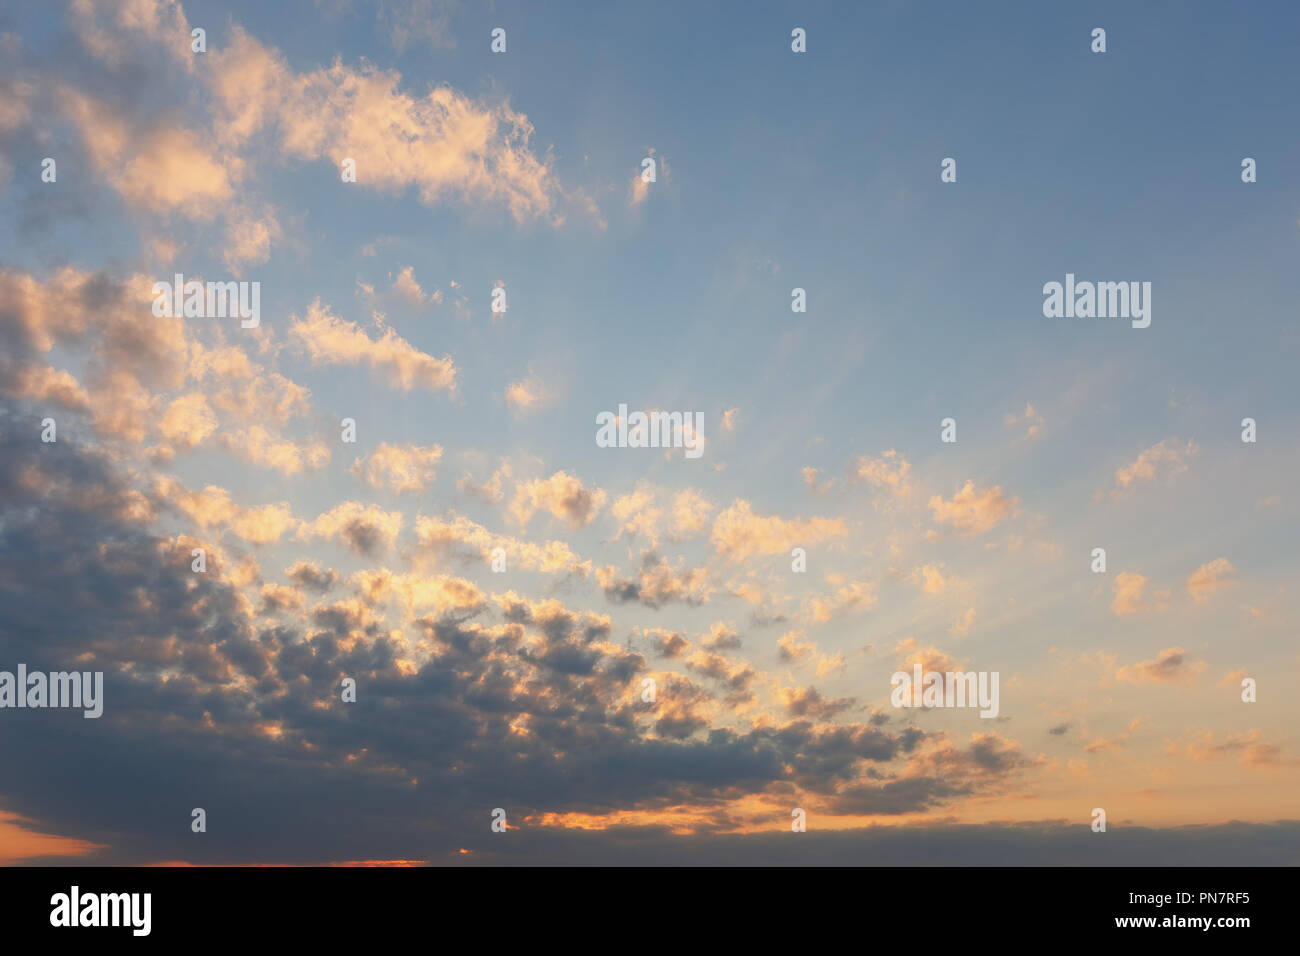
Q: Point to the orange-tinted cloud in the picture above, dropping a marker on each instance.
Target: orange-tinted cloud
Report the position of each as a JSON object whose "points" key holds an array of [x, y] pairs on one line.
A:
{"points": [[970, 512], [739, 533], [330, 340], [1210, 578], [1171, 665]]}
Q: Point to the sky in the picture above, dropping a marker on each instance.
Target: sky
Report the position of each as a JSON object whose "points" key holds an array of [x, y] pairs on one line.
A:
{"points": [[636, 654]]}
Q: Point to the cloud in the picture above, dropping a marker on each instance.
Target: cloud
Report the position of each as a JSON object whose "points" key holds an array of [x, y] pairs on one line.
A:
{"points": [[736, 677], [45, 384], [1209, 579], [668, 643], [1169, 666], [790, 647], [930, 578], [720, 636], [690, 514], [400, 468], [638, 190], [1029, 420], [936, 774], [249, 237], [160, 170], [909, 654], [851, 596], [526, 395], [814, 486], [647, 511], [1129, 594], [808, 702], [257, 445], [637, 514], [443, 144], [563, 495], [277, 597], [963, 625], [739, 533], [308, 575], [260, 397], [102, 25], [828, 666], [1165, 459], [970, 512], [366, 529], [683, 708], [1102, 745], [491, 491], [404, 289], [1253, 750], [656, 583], [213, 507], [126, 360], [188, 421], [330, 340], [457, 536], [889, 473], [20, 844], [500, 701], [443, 593], [223, 363]]}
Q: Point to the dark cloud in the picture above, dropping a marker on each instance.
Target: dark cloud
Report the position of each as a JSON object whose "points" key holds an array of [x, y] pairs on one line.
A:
{"points": [[671, 644], [1053, 843], [364, 536], [721, 638], [655, 583], [308, 576], [808, 702], [207, 707]]}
